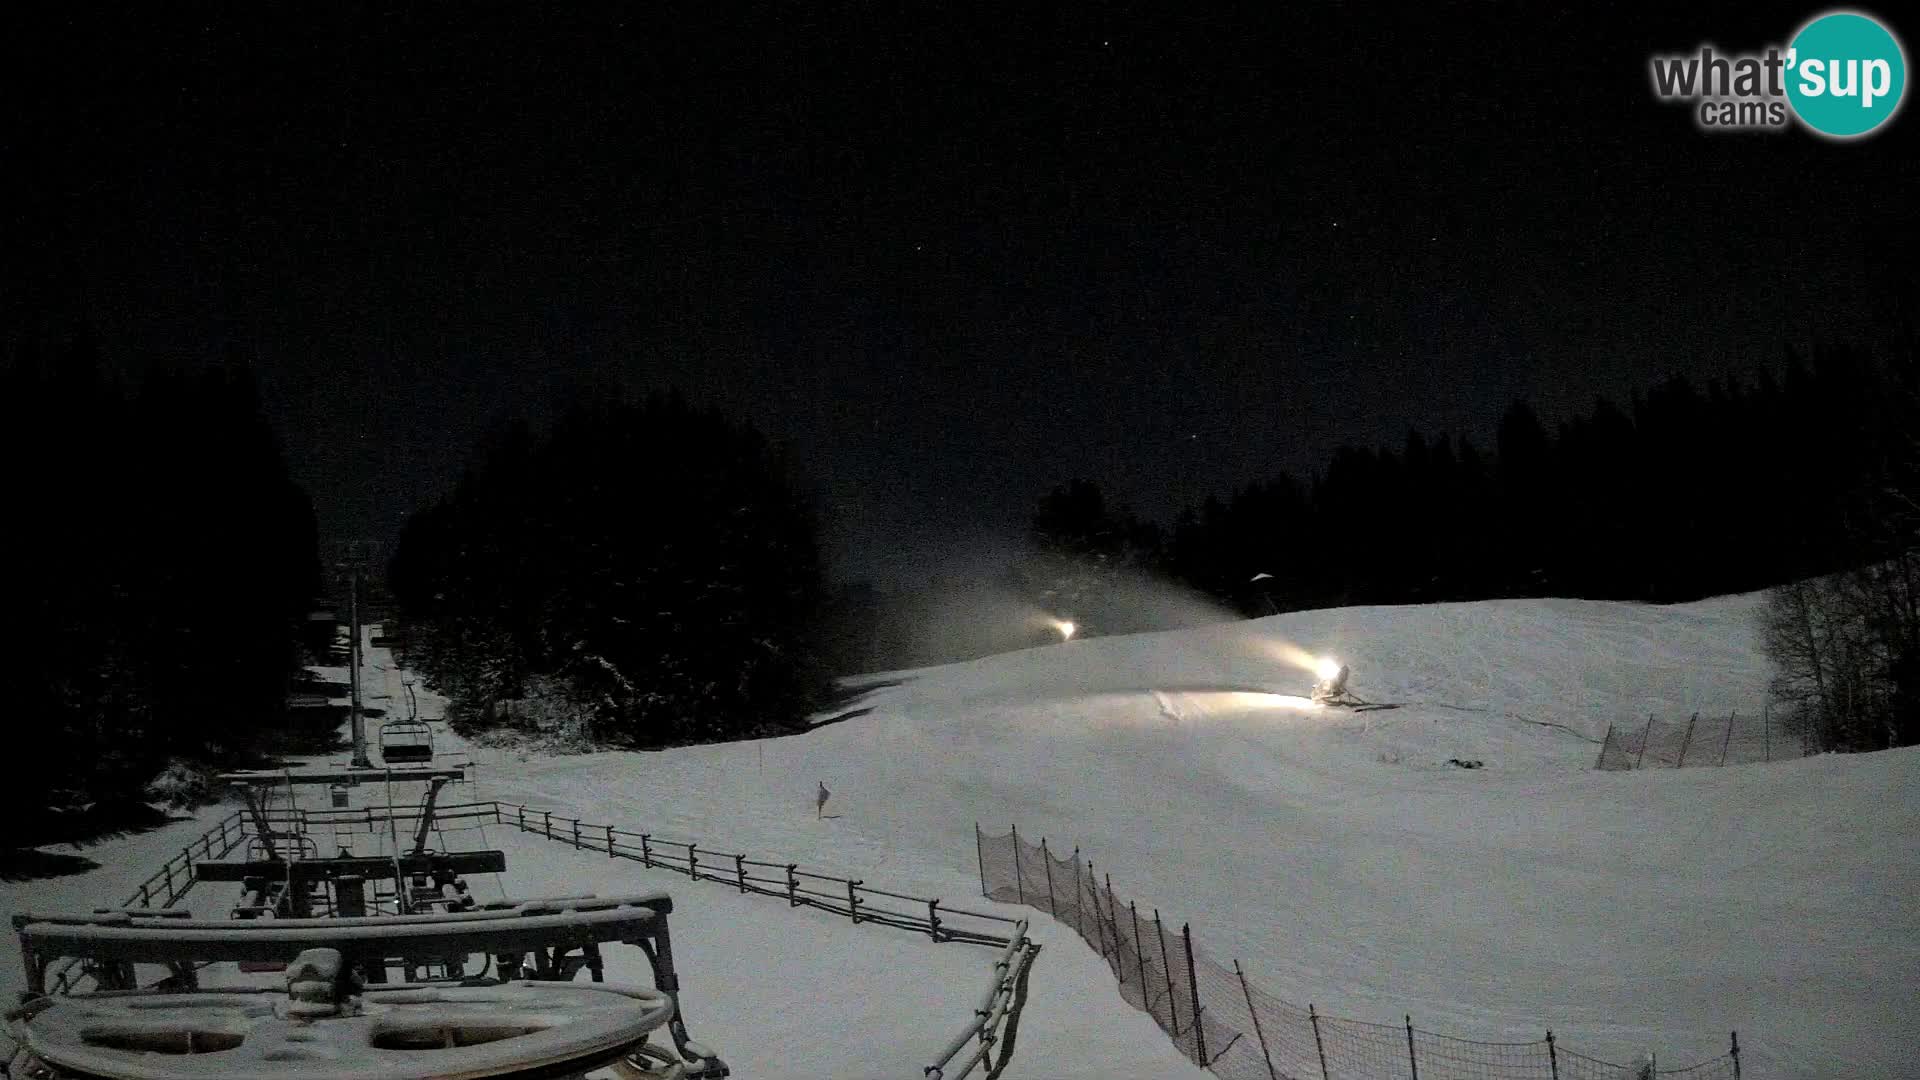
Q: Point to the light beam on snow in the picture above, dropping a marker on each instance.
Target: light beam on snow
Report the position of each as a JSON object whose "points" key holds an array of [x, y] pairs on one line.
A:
{"points": [[1287, 652]]}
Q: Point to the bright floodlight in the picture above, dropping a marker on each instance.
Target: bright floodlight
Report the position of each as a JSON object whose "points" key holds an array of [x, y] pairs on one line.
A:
{"points": [[1327, 667], [1065, 627]]}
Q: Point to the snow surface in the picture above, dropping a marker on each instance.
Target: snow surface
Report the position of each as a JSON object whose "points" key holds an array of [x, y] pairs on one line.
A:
{"points": [[1343, 861], [1335, 854]]}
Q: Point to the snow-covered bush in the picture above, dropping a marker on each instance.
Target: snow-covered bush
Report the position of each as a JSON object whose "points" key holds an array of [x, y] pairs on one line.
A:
{"points": [[181, 785]]}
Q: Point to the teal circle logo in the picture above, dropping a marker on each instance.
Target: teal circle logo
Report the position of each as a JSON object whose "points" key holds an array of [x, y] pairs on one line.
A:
{"points": [[1845, 74]]}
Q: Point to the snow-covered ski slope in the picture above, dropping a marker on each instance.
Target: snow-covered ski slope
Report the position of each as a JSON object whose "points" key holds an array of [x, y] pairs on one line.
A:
{"points": [[1343, 861], [1335, 854]]}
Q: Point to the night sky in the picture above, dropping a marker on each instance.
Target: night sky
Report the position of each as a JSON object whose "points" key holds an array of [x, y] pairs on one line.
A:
{"points": [[948, 255]]}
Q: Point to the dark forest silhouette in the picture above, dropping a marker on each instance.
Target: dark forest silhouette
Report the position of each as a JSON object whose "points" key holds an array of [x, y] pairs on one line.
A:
{"points": [[1685, 492], [1809, 482], [641, 574], [162, 562]]}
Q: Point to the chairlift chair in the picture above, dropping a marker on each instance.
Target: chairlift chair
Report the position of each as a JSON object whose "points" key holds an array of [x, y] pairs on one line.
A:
{"points": [[406, 742]]}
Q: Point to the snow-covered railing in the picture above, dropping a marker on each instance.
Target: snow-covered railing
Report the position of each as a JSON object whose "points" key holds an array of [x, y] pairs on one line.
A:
{"points": [[167, 886], [851, 897], [1222, 1022], [171, 882], [1002, 1000]]}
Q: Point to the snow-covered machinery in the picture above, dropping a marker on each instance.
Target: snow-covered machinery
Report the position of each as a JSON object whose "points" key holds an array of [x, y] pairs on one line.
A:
{"points": [[1332, 690], [284, 874], [176, 998], [1332, 687]]}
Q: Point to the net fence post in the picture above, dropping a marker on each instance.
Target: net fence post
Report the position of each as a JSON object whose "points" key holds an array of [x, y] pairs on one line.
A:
{"points": [[1258, 1032], [980, 855], [1732, 718], [610, 852], [1102, 918], [1688, 741], [1736, 1055], [1644, 737], [1019, 879], [1193, 990], [1079, 908], [1046, 861], [740, 870], [1413, 1059], [1139, 954], [1319, 1046], [1166, 972]]}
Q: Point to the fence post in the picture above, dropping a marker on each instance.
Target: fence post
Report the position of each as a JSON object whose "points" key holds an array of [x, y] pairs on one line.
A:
{"points": [[1731, 720], [1166, 972], [1688, 741], [1553, 1057], [693, 862], [1079, 908], [793, 885], [933, 919], [1101, 918], [145, 899], [1019, 880], [547, 815], [1736, 1056], [576, 834], [1412, 1058], [1139, 954], [1046, 861], [167, 868], [853, 901], [1318, 1046], [740, 868], [610, 853], [521, 809], [1193, 988], [1258, 1032], [1644, 736], [980, 856], [646, 850]]}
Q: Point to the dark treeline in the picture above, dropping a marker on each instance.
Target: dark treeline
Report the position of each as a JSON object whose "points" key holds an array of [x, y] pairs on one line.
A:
{"points": [[1682, 493], [636, 574], [1807, 483], [162, 563]]}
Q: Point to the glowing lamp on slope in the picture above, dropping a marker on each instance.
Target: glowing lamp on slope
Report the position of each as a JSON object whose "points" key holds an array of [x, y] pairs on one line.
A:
{"points": [[1064, 627], [1332, 687]]}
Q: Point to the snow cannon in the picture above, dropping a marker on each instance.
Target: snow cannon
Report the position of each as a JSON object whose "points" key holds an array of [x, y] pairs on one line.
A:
{"points": [[1332, 687]]}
